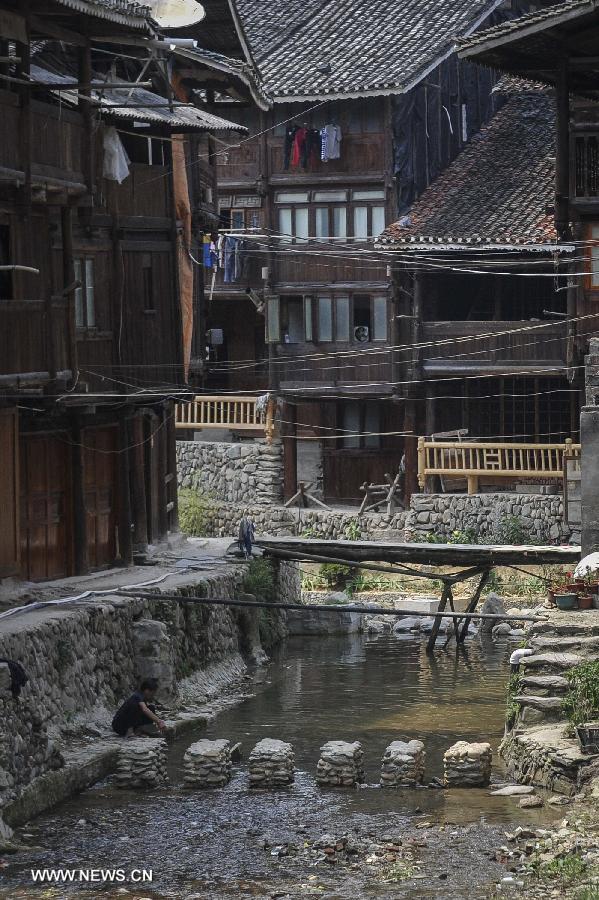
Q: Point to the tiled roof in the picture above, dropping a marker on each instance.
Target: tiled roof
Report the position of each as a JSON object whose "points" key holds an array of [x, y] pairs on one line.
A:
{"points": [[182, 118], [235, 68], [124, 12], [496, 192], [345, 48], [515, 27]]}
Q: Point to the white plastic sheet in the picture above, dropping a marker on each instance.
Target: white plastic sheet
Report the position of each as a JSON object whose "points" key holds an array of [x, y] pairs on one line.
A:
{"points": [[116, 161]]}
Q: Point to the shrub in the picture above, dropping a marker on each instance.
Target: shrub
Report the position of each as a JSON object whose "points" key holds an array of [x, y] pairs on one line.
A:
{"points": [[581, 704], [194, 513], [512, 531], [259, 580], [338, 576]]}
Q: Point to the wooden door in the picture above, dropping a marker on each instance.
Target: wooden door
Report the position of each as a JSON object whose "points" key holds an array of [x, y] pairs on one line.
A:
{"points": [[45, 478], [9, 493], [100, 491]]}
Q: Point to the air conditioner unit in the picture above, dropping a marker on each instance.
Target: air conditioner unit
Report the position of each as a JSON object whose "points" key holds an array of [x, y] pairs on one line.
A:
{"points": [[362, 334]]}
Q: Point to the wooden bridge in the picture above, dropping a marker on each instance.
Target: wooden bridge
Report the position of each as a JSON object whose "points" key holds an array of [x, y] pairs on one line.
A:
{"points": [[472, 561]]}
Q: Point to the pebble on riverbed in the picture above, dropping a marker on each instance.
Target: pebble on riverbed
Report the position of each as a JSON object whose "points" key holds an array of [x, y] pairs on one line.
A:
{"points": [[271, 764], [141, 763], [341, 764], [207, 764], [467, 765], [403, 764]]}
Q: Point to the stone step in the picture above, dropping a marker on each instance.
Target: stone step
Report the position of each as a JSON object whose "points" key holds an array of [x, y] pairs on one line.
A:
{"points": [[544, 704], [587, 644], [559, 661], [555, 683]]}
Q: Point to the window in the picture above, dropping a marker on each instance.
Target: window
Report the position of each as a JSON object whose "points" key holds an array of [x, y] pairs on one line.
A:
{"points": [[368, 195], [361, 425], [239, 219], [273, 320], [147, 282], [85, 308], [293, 320], [329, 196], [325, 319], [342, 319], [293, 224], [331, 222], [309, 330], [369, 318], [379, 318], [369, 221], [292, 197]]}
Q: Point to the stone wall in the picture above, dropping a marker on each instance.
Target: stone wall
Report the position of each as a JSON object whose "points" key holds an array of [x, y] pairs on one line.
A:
{"points": [[222, 520], [441, 514], [83, 661], [249, 472]]}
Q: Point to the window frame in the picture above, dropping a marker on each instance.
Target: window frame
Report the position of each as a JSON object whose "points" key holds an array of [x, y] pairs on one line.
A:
{"points": [[588, 281], [81, 264]]}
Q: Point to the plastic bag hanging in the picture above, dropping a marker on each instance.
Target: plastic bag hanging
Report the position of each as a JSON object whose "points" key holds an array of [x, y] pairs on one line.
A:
{"points": [[116, 161]]}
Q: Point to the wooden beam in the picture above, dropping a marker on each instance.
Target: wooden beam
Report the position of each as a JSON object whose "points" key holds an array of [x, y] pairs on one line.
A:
{"points": [[562, 159]]}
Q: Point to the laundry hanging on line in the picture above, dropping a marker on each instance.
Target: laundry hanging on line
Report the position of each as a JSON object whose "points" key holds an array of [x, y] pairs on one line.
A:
{"points": [[302, 147], [330, 137]]}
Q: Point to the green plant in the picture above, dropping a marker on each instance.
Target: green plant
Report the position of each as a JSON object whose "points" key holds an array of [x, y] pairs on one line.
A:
{"points": [[338, 576], [465, 536], [588, 893], [259, 580], [432, 538], [567, 868], [581, 703], [195, 511], [352, 531], [310, 531], [513, 531]]}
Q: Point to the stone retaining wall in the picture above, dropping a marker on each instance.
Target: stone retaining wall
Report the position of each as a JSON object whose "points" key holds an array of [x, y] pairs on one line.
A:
{"points": [[83, 661], [249, 472], [222, 520], [441, 514]]}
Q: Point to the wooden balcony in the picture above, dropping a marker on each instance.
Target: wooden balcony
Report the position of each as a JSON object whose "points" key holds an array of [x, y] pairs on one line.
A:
{"points": [[364, 368], [518, 345], [472, 461], [226, 412]]}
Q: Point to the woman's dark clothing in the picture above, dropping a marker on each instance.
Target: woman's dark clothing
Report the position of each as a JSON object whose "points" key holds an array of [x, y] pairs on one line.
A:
{"points": [[130, 715]]}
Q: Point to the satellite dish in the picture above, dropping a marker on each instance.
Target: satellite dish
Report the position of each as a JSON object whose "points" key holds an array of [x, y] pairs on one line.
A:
{"points": [[177, 13]]}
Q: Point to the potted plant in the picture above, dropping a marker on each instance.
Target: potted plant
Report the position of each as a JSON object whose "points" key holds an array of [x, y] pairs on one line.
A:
{"points": [[588, 737], [585, 601], [581, 704]]}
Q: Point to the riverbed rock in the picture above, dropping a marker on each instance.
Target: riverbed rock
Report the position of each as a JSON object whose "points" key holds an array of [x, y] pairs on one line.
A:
{"points": [[271, 764], [531, 802], [513, 790], [493, 605], [141, 763], [341, 764], [467, 765], [207, 764], [403, 764]]}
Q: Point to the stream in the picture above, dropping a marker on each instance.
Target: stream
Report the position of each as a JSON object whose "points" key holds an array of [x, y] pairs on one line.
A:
{"points": [[233, 842]]}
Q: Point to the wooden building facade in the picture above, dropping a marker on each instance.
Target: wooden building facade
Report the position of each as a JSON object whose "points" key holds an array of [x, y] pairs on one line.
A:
{"points": [[323, 323], [92, 351]]}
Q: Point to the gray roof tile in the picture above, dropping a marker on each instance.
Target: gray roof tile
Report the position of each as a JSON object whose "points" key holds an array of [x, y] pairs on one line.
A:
{"points": [[379, 47], [497, 190]]}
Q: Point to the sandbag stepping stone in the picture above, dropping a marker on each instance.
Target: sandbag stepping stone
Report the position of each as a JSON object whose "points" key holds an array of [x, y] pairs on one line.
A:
{"points": [[341, 764], [141, 763], [271, 764], [403, 764], [467, 765], [207, 764]]}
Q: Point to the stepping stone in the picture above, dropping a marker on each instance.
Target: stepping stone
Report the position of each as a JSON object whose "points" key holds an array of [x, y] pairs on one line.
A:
{"points": [[467, 765], [207, 764], [141, 763], [403, 764], [340, 764], [513, 790], [271, 764]]}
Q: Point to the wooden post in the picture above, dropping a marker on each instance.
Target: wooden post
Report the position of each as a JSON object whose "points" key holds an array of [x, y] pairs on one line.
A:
{"points": [[289, 434], [87, 113], [161, 487], [438, 617], [473, 604], [138, 485], [472, 484], [68, 276], [81, 561], [124, 508], [562, 158], [171, 461]]}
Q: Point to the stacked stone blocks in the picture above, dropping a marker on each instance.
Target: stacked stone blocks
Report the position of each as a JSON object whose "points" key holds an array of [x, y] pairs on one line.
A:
{"points": [[141, 763], [467, 765], [271, 764], [341, 764], [403, 764]]}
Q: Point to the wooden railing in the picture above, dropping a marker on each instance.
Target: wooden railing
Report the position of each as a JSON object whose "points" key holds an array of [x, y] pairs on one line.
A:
{"points": [[228, 412], [475, 460]]}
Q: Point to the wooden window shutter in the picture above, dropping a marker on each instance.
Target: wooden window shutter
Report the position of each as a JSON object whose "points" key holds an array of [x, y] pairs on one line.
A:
{"points": [[9, 493]]}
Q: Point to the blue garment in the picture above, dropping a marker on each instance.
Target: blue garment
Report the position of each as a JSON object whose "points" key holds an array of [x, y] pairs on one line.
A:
{"points": [[207, 259]]}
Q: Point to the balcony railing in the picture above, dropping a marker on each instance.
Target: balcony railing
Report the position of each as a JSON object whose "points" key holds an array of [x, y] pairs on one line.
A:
{"points": [[475, 460], [228, 412]]}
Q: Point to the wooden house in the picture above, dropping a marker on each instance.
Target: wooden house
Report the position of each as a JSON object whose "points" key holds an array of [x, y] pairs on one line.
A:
{"points": [[94, 316], [370, 106], [487, 346]]}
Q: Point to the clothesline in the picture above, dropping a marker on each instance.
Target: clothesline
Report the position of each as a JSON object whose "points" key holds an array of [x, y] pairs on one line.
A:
{"points": [[226, 253], [309, 146]]}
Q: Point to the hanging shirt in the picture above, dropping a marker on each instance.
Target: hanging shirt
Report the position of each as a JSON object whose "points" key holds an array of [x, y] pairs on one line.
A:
{"points": [[299, 143], [206, 257], [290, 133], [331, 142]]}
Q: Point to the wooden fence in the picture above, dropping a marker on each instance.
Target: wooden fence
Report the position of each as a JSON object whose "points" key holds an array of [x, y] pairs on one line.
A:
{"points": [[228, 412], [450, 459]]}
